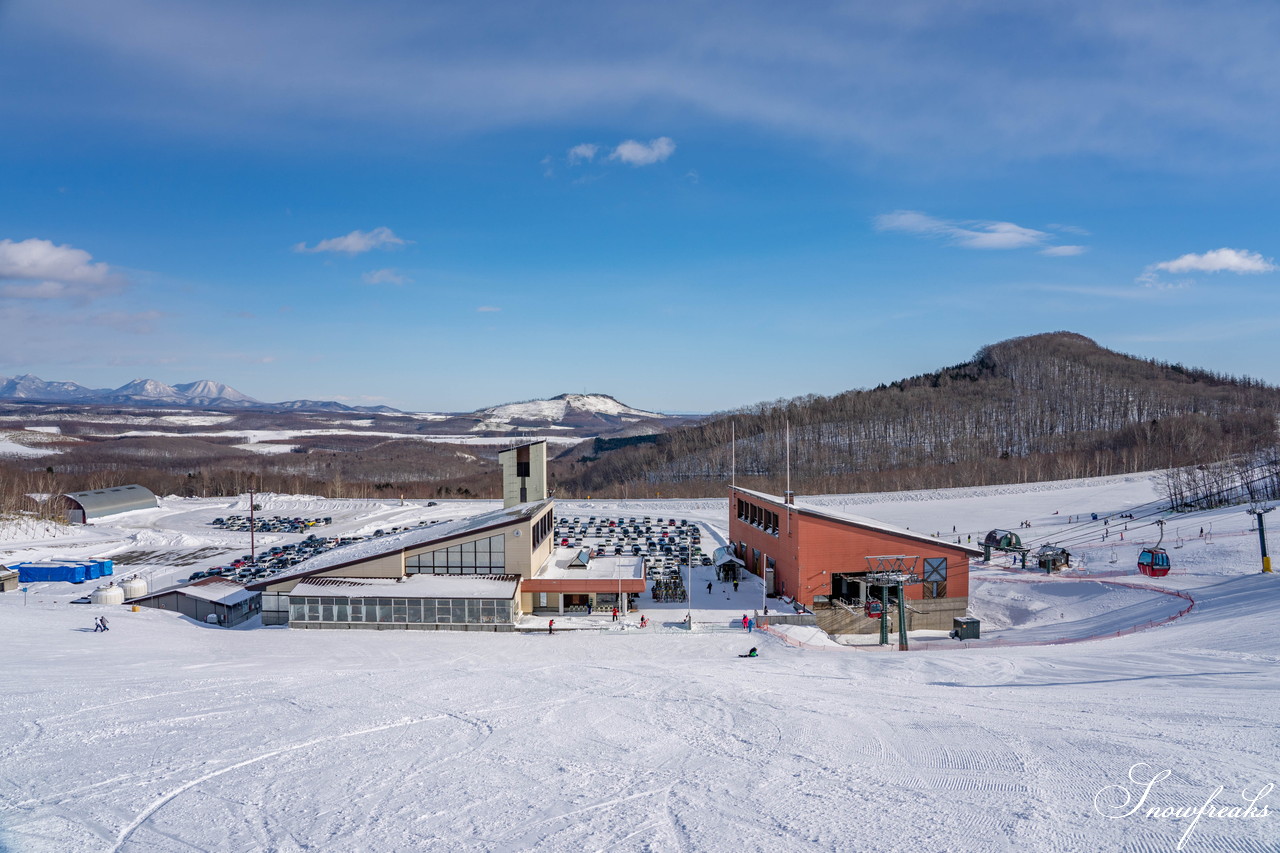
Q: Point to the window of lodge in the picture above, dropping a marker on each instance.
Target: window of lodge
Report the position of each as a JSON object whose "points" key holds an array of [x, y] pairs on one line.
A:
{"points": [[484, 557]]}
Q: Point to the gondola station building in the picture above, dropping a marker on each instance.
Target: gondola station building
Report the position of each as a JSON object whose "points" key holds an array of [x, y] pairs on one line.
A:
{"points": [[479, 573], [817, 556]]}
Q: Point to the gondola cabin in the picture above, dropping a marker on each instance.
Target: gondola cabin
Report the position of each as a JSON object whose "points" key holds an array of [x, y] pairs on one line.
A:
{"points": [[873, 608], [1153, 562]]}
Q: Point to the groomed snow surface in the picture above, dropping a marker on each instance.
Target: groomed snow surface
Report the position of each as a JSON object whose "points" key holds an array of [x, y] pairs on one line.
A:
{"points": [[168, 735]]}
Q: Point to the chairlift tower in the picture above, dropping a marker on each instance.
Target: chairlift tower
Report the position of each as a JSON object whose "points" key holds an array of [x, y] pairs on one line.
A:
{"points": [[1258, 511], [897, 571]]}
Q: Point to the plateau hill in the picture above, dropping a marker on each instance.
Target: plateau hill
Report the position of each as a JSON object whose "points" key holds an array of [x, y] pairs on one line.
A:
{"points": [[1043, 407]]}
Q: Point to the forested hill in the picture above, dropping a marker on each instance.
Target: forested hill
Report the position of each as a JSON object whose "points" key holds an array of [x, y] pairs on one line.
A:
{"points": [[1042, 407]]}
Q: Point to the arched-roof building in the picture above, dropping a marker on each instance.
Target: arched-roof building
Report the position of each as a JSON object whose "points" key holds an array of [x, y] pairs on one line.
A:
{"points": [[83, 507]]}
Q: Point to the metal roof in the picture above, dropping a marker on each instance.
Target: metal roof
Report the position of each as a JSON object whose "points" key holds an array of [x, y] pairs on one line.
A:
{"points": [[109, 501], [398, 543]]}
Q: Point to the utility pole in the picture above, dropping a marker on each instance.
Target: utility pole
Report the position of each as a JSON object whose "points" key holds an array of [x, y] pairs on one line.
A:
{"points": [[253, 550], [1259, 512]]}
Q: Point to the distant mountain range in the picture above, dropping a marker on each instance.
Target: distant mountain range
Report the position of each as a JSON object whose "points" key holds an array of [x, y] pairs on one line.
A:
{"points": [[203, 394], [576, 414]]}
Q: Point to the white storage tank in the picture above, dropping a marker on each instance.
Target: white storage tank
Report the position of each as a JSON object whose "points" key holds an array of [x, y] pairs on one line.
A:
{"points": [[134, 587], [108, 595]]}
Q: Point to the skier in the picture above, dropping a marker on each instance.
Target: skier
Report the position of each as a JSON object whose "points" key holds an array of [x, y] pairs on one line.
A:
{"points": [[751, 654], [551, 625]]}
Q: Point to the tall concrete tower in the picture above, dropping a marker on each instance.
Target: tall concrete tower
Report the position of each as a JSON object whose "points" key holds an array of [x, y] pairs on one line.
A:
{"points": [[524, 473]]}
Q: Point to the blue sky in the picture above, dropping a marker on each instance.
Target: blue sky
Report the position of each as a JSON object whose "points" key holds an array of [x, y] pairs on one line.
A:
{"points": [[691, 206]]}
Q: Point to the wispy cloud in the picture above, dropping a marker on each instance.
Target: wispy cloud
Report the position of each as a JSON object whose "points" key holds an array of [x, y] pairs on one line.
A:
{"points": [[584, 152], [972, 233], [635, 153], [1239, 261], [1218, 260], [488, 308], [357, 242], [907, 79], [1063, 251], [385, 276], [40, 269]]}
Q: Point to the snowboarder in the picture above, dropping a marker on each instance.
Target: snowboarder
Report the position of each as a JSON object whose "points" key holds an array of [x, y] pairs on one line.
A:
{"points": [[751, 654], [551, 626], [735, 586], [615, 614], [102, 620]]}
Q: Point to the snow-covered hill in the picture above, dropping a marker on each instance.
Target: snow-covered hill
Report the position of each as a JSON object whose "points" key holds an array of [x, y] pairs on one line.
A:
{"points": [[567, 410]]}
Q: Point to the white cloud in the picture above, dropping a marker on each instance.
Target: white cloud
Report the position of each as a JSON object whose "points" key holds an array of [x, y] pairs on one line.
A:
{"points": [[488, 309], [385, 276], [1239, 261], [635, 153], [1063, 251], [38, 269], [1218, 260], [583, 152], [357, 242], [970, 234]]}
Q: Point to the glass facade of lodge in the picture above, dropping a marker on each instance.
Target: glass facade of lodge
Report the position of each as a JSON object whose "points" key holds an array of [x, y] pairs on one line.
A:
{"points": [[407, 611], [485, 557]]}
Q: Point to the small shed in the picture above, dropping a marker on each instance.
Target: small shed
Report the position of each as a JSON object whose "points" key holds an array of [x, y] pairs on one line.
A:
{"points": [[1051, 558], [227, 601], [83, 507], [8, 580]]}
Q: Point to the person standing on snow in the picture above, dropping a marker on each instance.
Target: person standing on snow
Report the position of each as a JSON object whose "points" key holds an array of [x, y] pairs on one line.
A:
{"points": [[708, 587], [97, 624], [745, 620], [751, 625], [551, 626], [102, 620], [615, 614]]}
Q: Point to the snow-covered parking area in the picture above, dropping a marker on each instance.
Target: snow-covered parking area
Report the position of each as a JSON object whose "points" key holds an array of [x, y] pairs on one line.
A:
{"points": [[166, 735]]}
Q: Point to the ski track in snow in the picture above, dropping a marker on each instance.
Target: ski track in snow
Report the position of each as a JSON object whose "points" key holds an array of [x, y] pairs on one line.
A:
{"points": [[164, 735]]}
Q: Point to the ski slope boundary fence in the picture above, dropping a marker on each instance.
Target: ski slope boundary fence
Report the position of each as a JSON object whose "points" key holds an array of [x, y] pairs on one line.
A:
{"points": [[987, 644]]}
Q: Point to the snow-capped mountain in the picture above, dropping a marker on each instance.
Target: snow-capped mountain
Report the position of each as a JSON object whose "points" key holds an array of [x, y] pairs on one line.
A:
{"points": [[28, 387], [570, 410], [202, 394], [207, 389]]}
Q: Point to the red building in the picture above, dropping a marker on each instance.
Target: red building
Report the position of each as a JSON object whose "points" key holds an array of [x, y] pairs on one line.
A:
{"points": [[815, 555]]}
